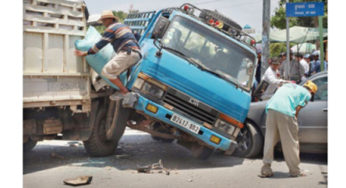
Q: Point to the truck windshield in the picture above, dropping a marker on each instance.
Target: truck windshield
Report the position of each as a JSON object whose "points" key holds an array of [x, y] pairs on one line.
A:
{"points": [[214, 51]]}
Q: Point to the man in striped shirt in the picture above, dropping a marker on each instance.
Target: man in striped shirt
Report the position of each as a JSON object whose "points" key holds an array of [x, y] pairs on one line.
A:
{"points": [[124, 44]]}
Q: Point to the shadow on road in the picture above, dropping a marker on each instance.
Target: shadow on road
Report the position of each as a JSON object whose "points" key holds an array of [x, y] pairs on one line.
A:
{"points": [[133, 151]]}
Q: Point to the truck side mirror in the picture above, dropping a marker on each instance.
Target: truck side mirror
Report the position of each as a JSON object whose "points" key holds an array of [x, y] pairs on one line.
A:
{"points": [[160, 27]]}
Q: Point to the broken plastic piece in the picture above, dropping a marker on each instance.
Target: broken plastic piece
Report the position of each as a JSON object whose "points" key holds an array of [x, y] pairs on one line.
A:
{"points": [[81, 180]]}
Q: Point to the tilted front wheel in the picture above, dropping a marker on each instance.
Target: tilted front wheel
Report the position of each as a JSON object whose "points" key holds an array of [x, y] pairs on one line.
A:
{"points": [[201, 152], [250, 141], [160, 128]]}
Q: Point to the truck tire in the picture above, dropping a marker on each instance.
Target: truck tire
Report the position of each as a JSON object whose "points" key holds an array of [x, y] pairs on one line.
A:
{"points": [[202, 152], [158, 127], [98, 145], [29, 145], [250, 141]]}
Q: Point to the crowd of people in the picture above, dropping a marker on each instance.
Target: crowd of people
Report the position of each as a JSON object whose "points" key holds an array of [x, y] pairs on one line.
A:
{"points": [[280, 71]]}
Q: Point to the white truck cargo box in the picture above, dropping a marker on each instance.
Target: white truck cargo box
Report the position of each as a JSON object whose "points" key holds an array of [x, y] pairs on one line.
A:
{"points": [[53, 75]]}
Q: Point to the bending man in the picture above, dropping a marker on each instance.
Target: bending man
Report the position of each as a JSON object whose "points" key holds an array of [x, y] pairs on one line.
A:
{"points": [[281, 124]]}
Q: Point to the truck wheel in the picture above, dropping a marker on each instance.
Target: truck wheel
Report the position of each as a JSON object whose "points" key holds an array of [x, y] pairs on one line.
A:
{"points": [[29, 145], [162, 139], [201, 152], [98, 145], [158, 127], [250, 141]]}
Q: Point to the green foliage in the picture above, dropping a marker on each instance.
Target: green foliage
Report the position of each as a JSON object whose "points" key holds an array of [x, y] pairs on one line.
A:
{"points": [[100, 28], [121, 15], [279, 19], [276, 48]]}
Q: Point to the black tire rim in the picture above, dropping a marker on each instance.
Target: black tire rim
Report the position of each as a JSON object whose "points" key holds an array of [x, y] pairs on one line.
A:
{"points": [[244, 140]]}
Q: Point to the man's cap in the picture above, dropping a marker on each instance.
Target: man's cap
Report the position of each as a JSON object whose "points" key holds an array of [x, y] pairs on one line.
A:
{"points": [[275, 61], [312, 86], [107, 14], [316, 53], [306, 55]]}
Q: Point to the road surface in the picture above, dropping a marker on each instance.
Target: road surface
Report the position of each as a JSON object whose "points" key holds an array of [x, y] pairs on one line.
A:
{"points": [[51, 162]]}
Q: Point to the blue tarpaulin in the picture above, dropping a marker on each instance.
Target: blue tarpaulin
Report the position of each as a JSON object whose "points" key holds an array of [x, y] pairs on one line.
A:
{"points": [[98, 60]]}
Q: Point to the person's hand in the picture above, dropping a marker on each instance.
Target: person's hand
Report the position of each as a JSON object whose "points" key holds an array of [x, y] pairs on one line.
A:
{"points": [[80, 53]]}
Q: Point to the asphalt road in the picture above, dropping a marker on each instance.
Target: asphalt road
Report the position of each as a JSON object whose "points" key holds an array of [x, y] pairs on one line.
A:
{"points": [[51, 162]]}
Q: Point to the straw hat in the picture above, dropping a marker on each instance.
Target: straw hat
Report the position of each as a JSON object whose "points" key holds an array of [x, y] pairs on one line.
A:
{"points": [[107, 14]]}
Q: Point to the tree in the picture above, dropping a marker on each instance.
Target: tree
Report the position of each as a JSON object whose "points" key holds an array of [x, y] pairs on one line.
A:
{"points": [[121, 15], [279, 18]]}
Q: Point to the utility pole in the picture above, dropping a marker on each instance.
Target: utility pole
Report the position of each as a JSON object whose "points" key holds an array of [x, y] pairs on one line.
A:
{"points": [[287, 67], [265, 32], [320, 27]]}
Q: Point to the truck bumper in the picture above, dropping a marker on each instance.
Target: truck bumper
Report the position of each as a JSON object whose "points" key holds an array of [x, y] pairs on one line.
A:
{"points": [[164, 115]]}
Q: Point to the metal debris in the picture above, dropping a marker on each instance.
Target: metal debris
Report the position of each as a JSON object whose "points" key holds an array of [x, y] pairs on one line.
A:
{"points": [[81, 180], [74, 144], [144, 169], [124, 156], [156, 167]]}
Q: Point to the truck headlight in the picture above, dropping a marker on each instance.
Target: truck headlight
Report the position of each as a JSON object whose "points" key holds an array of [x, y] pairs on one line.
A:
{"points": [[224, 126], [152, 90], [138, 83]]}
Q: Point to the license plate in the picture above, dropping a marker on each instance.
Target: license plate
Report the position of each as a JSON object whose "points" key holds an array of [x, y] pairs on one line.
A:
{"points": [[185, 123]]}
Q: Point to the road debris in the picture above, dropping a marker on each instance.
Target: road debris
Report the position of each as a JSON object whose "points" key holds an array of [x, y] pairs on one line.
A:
{"points": [[81, 180], [123, 156], [55, 155], [154, 168], [190, 180], [74, 144]]}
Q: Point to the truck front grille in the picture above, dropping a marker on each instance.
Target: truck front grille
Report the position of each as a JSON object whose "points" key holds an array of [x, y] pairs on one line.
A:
{"points": [[201, 112]]}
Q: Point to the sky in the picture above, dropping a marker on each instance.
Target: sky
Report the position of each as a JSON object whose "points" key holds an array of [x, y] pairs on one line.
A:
{"points": [[242, 11]]}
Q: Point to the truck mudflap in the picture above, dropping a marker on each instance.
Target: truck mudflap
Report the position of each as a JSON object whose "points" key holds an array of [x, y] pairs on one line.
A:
{"points": [[197, 130]]}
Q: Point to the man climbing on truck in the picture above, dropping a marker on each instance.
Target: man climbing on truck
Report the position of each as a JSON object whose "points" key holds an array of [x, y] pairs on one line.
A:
{"points": [[123, 42]]}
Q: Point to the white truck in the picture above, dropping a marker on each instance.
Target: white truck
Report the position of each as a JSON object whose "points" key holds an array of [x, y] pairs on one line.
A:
{"points": [[59, 91]]}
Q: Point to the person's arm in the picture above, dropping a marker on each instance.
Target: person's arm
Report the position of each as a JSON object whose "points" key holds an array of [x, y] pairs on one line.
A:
{"points": [[107, 37], [272, 79], [297, 110]]}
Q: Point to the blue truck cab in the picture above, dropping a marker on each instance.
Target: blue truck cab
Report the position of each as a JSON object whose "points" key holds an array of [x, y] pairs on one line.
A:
{"points": [[195, 78]]}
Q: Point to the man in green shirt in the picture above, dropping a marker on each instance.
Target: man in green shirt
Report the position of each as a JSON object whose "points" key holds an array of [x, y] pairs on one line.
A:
{"points": [[281, 124]]}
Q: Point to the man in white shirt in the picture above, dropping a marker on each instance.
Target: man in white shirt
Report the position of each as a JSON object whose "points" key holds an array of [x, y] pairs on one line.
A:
{"points": [[305, 64], [272, 77]]}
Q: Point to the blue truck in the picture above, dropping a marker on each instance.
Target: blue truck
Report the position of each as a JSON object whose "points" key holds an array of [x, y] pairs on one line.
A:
{"points": [[193, 83]]}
